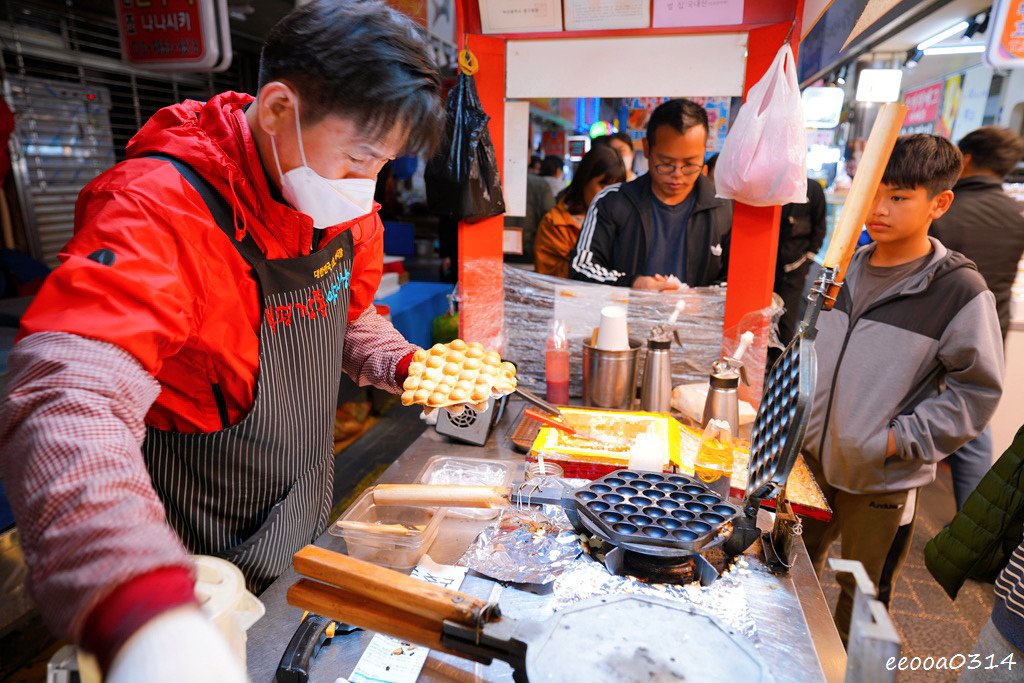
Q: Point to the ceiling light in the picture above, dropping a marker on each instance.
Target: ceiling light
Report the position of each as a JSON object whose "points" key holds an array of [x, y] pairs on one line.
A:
{"points": [[978, 25], [955, 49], [939, 37], [914, 56]]}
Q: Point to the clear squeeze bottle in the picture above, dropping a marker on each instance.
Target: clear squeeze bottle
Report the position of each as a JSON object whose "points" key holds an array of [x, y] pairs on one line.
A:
{"points": [[714, 459]]}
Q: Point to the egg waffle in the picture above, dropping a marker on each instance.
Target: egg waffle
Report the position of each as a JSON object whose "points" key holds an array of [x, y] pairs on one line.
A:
{"points": [[457, 374]]}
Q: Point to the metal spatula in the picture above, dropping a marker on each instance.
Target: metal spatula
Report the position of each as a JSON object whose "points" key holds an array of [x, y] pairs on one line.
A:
{"points": [[778, 430]]}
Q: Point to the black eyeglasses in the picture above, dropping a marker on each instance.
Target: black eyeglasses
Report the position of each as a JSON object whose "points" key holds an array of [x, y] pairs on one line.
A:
{"points": [[687, 169]]}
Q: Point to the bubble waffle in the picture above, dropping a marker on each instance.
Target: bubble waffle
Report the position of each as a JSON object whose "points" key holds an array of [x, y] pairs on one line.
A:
{"points": [[455, 374]]}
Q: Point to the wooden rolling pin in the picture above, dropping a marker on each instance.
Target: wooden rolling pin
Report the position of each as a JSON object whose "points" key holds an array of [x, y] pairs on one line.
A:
{"points": [[432, 495], [395, 591]]}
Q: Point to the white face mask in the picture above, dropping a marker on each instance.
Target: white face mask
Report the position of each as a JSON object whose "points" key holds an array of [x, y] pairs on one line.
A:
{"points": [[327, 202]]}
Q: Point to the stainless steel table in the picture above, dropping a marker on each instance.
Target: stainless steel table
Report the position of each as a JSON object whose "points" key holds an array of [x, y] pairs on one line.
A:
{"points": [[795, 633]]}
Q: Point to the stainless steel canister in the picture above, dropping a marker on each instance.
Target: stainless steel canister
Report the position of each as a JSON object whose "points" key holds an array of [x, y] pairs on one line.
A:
{"points": [[609, 377]]}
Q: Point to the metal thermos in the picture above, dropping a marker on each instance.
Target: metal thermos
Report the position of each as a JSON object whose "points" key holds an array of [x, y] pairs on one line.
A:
{"points": [[723, 402], [656, 389]]}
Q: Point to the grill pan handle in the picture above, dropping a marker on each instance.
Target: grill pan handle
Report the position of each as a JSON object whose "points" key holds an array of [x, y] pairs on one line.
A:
{"points": [[444, 495], [379, 599], [862, 193]]}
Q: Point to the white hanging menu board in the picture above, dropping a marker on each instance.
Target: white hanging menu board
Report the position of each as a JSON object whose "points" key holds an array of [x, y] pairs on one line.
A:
{"points": [[582, 15]]}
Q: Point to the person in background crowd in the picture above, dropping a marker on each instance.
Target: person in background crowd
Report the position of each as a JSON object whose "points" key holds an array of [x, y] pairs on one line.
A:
{"points": [[539, 200], [553, 172], [666, 227], [987, 226], [910, 368], [710, 164], [622, 144], [600, 167], [985, 541], [801, 232], [174, 384], [535, 162]]}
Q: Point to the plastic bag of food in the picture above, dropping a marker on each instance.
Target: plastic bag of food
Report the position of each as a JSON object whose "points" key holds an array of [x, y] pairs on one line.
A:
{"points": [[764, 158]]}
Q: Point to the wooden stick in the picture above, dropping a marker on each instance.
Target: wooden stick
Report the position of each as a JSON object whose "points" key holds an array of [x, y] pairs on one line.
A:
{"points": [[342, 605], [862, 191], [438, 495], [389, 529], [390, 588]]}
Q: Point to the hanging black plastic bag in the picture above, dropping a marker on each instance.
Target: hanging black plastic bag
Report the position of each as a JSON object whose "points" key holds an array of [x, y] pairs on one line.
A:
{"points": [[462, 179]]}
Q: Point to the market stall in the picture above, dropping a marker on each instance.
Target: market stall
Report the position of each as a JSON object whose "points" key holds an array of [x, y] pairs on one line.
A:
{"points": [[784, 615]]}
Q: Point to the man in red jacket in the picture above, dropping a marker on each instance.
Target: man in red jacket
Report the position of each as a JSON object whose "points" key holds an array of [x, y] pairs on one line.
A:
{"points": [[174, 383]]}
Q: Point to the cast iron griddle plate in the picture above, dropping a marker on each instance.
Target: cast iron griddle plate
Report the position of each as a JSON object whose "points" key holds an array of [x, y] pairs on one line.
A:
{"points": [[646, 508], [781, 420]]}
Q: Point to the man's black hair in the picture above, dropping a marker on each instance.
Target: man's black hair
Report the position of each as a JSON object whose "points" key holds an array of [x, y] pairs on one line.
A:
{"points": [[359, 59], [551, 165], [923, 160], [681, 115], [602, 161], [993, 148]]}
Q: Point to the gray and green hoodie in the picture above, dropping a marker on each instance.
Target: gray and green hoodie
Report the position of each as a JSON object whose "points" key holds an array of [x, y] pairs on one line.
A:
{"points": [[926, 359]]}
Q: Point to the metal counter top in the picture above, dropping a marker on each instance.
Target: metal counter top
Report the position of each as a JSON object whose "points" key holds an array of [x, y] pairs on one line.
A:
{"points": [[794, 629]]}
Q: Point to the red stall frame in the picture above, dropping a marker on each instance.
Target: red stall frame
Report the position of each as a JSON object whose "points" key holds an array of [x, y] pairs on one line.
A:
{"points": [[755, 231]]}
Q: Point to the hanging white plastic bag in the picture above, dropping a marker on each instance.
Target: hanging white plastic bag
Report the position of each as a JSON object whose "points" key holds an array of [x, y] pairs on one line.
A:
{"points": [[764, 157]]}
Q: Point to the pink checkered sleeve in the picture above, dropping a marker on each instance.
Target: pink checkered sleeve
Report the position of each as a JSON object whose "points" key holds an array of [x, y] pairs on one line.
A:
{"points": [[71, 431], [373, 348]]}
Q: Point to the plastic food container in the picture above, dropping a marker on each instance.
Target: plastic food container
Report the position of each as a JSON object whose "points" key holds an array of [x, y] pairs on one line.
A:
{"points": [[451, 470], [395, 536]]}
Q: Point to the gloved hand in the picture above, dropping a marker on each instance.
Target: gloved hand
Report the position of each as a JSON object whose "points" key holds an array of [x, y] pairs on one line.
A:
{"points": [[178, 645]]}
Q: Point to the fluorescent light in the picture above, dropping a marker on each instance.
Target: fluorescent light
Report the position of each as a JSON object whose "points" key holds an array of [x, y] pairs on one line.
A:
{"points": [[954, 49], [879, 85], [939, 37]]}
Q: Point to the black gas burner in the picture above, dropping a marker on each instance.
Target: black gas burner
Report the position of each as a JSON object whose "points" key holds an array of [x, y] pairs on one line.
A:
{"points": [[703, 567]]}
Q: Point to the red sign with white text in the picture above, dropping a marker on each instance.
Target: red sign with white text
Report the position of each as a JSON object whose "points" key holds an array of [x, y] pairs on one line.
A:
{"points": [[923, 104], [175, 34]]}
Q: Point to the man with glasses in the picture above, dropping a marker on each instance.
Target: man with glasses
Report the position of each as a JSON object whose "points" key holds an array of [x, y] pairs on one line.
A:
{"points": [[666, 227]]}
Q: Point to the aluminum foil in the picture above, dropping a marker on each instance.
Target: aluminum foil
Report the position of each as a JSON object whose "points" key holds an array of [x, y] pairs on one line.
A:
{"points": [[525, 545], [726, 599]]}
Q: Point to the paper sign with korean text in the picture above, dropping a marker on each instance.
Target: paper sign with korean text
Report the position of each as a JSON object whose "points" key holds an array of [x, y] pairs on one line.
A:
{"points": [[697, 13]]}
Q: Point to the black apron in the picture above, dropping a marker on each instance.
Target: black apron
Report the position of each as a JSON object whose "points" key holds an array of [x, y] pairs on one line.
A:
{"points": [[255, 492]]}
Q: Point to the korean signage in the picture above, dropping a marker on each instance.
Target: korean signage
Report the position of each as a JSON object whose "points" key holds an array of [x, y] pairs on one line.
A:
{"points": [[923, 106], [519, 16], [1005, 49], [175, 34], [697, 12], [640, 108]]}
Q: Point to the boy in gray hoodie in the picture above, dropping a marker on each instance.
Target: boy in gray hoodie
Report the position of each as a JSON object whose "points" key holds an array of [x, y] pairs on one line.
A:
{"points": [[910, 367]]}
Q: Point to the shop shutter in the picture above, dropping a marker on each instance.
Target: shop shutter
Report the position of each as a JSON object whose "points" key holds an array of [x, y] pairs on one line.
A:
{"points": [[77, 105]]}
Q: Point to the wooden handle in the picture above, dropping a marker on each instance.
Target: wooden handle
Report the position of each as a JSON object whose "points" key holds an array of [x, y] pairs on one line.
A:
{"points": [[865, 184], [350, 608], [437, 495], [394, 590], [390, 529]]}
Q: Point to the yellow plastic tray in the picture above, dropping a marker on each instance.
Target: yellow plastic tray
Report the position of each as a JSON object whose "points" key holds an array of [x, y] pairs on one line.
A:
{"points": [[622, 426]]}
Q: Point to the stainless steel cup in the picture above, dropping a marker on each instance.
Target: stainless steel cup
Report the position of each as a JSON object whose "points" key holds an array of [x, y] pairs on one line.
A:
{"points": [[609, 377]]}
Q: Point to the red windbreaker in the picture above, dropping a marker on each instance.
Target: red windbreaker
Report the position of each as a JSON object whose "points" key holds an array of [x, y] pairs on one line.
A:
{"points": [[189, 307]]}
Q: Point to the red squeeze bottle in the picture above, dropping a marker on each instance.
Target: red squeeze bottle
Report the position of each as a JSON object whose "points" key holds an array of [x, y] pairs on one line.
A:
{"points": [[556, 364]]}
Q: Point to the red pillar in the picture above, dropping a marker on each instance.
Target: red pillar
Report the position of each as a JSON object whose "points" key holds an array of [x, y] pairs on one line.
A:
{"points": [[755, 230], [480, 244]]}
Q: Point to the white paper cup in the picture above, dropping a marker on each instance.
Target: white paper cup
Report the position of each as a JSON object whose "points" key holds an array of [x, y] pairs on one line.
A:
{"points": [[613, 334]]}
